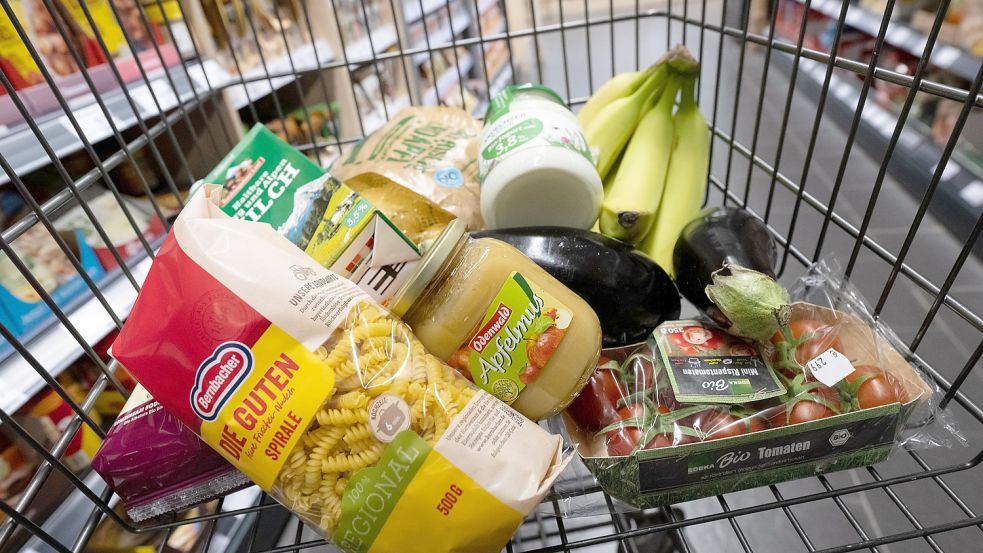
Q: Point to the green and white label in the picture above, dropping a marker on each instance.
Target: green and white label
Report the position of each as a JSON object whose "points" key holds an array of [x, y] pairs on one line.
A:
{"points": [[518, 335], [515, 130], [374, 491], [707, 365], [261, 176]]}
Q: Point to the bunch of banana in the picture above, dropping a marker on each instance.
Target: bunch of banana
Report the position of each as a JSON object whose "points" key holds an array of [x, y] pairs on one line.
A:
{"points": [[653, 162]]}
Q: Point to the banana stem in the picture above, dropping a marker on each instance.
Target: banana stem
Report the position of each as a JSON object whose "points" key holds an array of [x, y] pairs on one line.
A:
{"points": [[668, 96], [659, 81], [687, 93], [654, 83]]}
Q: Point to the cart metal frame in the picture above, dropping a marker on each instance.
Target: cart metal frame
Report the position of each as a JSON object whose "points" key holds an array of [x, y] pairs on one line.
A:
{"points": [[687, 22]]}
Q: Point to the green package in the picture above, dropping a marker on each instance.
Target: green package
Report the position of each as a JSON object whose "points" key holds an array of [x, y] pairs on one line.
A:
{"points": [[264, 179]]}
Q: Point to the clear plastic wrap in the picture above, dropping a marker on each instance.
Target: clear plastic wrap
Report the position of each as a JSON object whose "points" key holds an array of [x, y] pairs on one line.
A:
{"points": [[694, 411], [427, 158], [324, 399]]}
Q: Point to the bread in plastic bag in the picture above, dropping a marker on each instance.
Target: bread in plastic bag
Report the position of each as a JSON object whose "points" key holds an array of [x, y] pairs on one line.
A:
{"points": [[430, 151], [324, 399]]}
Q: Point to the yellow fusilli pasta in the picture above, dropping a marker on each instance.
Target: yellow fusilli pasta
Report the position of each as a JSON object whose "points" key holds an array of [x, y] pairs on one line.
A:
{"points": [[370, 355]]}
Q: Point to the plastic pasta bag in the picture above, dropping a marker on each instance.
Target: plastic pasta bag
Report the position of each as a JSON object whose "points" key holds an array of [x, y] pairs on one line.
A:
{"points": [[323, 399]]}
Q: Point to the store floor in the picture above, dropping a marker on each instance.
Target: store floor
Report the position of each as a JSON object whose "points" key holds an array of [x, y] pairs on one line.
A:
{"points": [[947, 345]]}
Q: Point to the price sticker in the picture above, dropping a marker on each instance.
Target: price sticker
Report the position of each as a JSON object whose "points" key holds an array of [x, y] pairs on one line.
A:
{"points": [[830, 367]]}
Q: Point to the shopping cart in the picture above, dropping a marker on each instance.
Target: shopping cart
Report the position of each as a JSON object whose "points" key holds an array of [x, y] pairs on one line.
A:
{"points": [[831, 150]]}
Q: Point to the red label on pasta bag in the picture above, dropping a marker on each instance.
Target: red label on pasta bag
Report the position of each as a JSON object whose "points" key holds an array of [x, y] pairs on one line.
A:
{"points": [[207, 315]]}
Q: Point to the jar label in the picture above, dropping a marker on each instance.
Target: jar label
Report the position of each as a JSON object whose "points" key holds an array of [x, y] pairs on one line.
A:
{"points": [[518, 335], [514, 131], [707, 365]]}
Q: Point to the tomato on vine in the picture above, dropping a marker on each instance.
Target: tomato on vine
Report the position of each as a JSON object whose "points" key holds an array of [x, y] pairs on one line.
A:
{"points": [[802, 341]]}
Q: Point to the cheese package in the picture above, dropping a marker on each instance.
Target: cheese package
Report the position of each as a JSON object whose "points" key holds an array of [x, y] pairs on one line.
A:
{"points": [[265, 179], [325, 400]]}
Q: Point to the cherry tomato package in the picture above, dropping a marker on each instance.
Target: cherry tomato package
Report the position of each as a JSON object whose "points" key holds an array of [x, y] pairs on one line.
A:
{"points": [[695, 411], [326, 401]]}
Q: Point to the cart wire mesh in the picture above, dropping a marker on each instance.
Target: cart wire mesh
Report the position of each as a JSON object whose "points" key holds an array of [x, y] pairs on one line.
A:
{"points": [[791, 121]]}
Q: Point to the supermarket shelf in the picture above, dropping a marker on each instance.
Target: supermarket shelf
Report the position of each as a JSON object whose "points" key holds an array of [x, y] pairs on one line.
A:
{"points": [[486, 5], [950, 58], [411, 8], [443, 36], [65, 523], [55, 348], [303, 60], [22, 149], [450, 77], [377, 118], [360, 51], [497, 83], [959, 197]]}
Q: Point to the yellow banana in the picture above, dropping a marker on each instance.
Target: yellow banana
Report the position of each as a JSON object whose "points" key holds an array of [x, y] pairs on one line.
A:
{"points": [[619, 86], [632, 200], [686, 179], [611, 128]]}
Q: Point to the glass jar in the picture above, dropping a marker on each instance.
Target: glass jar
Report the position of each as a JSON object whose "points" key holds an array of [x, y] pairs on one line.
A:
{"points": [[504, 322], [534, 163]]}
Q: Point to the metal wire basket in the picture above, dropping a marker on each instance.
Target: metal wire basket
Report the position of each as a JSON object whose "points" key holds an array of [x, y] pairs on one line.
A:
{"points": [[802, 137]]}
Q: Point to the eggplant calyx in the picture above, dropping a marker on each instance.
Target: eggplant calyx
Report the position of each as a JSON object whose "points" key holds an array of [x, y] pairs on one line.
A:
{"points": [[753, 302]]}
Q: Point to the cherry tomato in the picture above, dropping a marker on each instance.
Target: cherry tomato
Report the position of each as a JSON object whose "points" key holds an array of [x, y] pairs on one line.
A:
{"points": [[670, 439], [726, 425], [622, 441], [775, 416], [717, 424], [597, 405], [664, 398], [806, 411], [882, 389], [755, 424], [824, 338], [641, 374], [633, 411], [660, 440]]}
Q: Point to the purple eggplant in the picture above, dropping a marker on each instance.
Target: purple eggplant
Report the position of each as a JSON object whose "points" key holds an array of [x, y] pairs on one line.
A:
{"points": [[720, 236]]}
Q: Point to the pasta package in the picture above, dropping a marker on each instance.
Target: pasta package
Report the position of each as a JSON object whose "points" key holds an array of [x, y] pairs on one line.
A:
{"points": [[325, 400]]}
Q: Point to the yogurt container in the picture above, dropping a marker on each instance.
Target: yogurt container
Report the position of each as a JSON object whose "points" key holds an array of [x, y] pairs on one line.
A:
{"points": [[534, 164]]}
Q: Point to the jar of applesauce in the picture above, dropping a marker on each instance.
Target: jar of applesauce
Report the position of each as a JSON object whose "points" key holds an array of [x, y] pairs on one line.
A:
{"points": [[505, 323]]}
